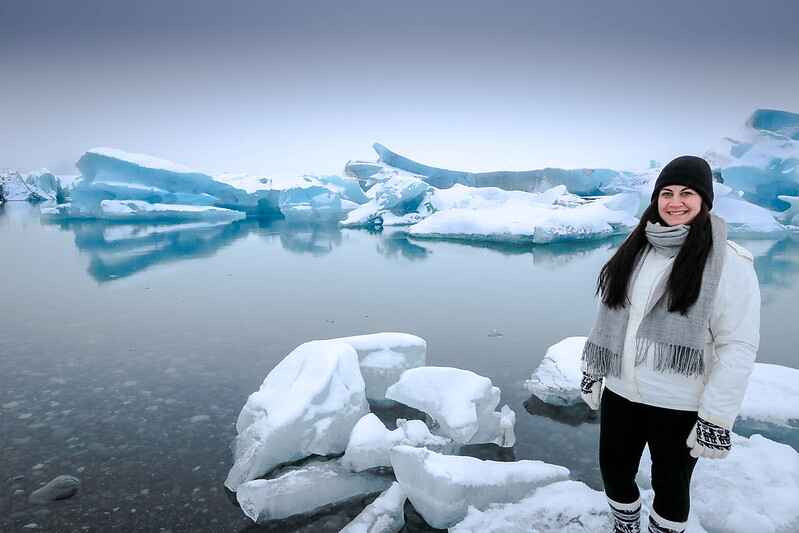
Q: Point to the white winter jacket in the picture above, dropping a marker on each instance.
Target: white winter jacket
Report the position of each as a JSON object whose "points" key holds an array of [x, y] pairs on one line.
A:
{"points": [[733, 336]]}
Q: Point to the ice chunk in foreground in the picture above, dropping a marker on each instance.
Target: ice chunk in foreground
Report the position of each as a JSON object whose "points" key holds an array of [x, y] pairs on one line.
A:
{"points": [[308, 404], [562, 507], [772, 395], [557, 379], [384, 357], [443, 487], [371, 442], [384, 515], [461, 402], [755, 488], [301, 490]]}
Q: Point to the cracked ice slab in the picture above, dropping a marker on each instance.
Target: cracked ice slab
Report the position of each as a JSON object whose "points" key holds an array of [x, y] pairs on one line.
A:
{"points": [[371, 442], [384, 515], [304, 489], [461, 402], [308, 404], [443, 487]]}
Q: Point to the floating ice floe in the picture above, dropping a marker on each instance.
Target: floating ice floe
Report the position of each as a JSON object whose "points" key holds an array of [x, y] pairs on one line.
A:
{"points": [[304, 489], [141, 211], [554, 380], [384, 515], [308, 404], [755, 488], [763, 161], [384, 357], [371, 442], [531, 221], [443, 487], [461, 403]]}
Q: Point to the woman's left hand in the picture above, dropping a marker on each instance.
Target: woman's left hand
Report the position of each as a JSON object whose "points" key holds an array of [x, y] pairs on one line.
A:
{"points": [[709, 440]]}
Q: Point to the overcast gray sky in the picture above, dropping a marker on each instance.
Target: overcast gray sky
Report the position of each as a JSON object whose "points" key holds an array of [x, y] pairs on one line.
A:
{"points": [[289, 87]]}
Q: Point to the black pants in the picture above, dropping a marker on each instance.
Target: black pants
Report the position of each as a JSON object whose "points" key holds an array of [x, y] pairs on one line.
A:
{"points": [[625, 427]]}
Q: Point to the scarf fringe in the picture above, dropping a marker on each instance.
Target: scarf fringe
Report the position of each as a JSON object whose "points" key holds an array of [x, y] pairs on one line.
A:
{"points": [[672, 358], [600, 361]]}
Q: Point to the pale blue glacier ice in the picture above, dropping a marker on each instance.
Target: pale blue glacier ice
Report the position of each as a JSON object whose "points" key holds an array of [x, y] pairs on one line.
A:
{"points": [[371, 442], [141, 211], [327, 397], [763, 160], [461, 403], [754, 488], [442, 488], [384, 515], [584, 181], [303, 489]]}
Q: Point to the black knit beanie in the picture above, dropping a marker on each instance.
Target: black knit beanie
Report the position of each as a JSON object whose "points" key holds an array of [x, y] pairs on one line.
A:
{"points": [[690, 171]]}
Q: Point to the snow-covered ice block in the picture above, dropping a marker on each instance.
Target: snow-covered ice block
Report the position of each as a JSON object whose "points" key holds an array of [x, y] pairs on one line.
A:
{"points": [[530, 222], [755, 488], [772, 395], [561, 507], [384, 515], [301, 490], [384, 357], [443, 487], [371, 442], [461, 402], [308, 404], [557, 379]]}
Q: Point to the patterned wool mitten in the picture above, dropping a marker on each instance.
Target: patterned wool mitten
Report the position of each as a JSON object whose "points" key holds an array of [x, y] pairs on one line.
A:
{"points": [[591, 390], [709, 440]]}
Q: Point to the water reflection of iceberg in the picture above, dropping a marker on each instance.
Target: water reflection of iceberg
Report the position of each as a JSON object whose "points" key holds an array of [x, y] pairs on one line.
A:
{"points": [[120, 250]]}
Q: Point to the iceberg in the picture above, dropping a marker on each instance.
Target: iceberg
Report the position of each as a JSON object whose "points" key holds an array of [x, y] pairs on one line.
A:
{"points": [[745, 219], [384, 515], [460, 402], [763, 161], [583, 181], [304, 489], [755, 488], [327, 398], [384, 357], [533, 221], [37, 186], [371, 442], [443, 487], [555, 378], [140, 211], [396, 201]]}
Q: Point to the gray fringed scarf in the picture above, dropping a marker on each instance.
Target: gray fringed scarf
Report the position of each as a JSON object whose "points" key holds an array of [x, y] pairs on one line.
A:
{"points": [[678, 341]]}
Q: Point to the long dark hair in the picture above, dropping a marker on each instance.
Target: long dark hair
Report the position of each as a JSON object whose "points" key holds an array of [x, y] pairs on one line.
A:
{"points": [[686, 274]]}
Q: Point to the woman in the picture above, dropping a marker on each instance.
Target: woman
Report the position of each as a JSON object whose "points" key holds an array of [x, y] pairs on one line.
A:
{"points": [[674, 343]]}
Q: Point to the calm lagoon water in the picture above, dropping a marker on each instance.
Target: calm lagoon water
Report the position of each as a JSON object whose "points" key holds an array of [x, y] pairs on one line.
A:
{"points": [[127, 351]]}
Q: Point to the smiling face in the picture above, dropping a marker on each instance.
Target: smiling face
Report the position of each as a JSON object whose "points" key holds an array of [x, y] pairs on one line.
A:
{"points": [[678, 204]]}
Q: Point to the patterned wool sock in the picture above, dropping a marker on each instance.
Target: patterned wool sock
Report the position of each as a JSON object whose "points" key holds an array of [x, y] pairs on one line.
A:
{"points": [[658, 524], [626, 516]]}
